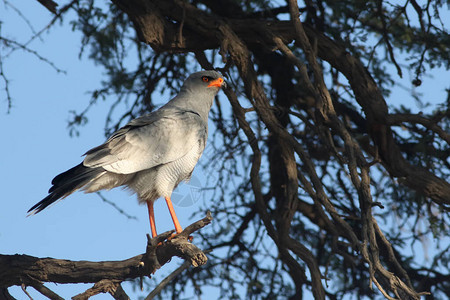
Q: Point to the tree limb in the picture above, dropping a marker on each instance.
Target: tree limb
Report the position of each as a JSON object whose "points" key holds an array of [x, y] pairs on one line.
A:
{"points": [[112, 287], [16, 269], [50, 5]]}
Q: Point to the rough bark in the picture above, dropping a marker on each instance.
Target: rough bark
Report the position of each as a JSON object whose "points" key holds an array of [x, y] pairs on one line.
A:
{"points": [[27, 270]]}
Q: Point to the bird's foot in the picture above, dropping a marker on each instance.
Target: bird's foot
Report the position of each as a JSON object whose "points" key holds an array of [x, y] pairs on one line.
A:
{"points": [[190, 238]]}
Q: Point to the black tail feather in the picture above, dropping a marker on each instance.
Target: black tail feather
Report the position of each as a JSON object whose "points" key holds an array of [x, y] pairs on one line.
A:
{"points": [[77, 172], [65, 184]]}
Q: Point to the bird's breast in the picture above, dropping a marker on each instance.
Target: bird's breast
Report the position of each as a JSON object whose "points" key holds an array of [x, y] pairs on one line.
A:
{"points": [[163, 179]]}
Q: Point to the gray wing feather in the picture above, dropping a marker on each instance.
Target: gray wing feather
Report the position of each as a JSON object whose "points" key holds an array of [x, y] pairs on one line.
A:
{"points": [[149, 141]]}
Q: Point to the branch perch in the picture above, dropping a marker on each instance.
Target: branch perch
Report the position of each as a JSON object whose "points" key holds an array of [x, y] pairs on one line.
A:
{"points": [[21, 269]]}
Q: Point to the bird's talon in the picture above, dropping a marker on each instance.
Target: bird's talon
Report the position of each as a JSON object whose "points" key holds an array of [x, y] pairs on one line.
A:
{"points": [[172, 236]]}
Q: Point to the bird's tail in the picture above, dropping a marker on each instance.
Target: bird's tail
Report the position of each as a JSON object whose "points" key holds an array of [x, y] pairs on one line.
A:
{"points": [[65, 184]]}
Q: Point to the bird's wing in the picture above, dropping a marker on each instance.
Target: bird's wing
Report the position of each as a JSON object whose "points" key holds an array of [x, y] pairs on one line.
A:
{"points": [[149, 141]]}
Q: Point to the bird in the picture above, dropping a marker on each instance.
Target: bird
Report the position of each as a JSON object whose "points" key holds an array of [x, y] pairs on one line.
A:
{"points": [[151, 154]]}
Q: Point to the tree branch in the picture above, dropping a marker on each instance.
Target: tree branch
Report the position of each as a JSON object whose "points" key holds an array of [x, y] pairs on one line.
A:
{"points": [[166, 281], [49, 4], [112, 287], [15, 269], [396, 119]]}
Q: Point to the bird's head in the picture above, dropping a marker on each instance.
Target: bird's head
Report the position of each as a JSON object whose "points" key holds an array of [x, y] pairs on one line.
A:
{"points": [[204, 81], [198, 92]]}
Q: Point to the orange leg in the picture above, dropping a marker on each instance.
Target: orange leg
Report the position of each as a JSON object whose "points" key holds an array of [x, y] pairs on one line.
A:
{"points": [[173, 215], [151, 215]]}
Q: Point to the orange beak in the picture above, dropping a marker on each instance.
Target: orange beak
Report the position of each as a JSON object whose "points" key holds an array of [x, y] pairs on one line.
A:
{"points": [[216, 82]]}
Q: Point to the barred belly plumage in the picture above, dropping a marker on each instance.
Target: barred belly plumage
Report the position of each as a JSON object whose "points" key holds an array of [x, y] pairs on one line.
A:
{"points": [[162, 180]]}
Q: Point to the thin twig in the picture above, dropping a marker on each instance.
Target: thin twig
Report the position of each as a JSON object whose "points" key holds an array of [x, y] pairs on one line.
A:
{"points": [[6, 81], [116, 207], [47, 27], [386, 38], [21, 15], [167, 280], [34, 52]]}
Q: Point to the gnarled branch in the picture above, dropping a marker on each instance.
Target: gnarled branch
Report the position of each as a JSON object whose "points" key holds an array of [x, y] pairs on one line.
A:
{"points": [[29, 270]]}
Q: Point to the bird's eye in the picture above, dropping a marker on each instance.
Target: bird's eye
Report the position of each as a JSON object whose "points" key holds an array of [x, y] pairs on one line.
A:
{"points": [[205, 79]]}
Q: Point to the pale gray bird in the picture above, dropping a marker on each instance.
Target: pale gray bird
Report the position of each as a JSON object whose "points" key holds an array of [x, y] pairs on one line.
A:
{"points": [[150, 155]]}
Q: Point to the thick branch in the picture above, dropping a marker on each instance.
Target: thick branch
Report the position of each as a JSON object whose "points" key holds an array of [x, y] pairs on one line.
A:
{"points": [[15, 269]]}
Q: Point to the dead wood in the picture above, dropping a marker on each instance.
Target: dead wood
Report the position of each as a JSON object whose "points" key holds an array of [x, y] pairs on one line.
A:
{"points": [[24, 269]]}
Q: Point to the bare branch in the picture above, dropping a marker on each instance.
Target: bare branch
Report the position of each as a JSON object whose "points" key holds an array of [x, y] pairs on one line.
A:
{"points": [[166, 280], [121, 211], [49, 4], [112, 287], [397, 119], [16, 267], [38, 286], [14, 44], [6, 82]]}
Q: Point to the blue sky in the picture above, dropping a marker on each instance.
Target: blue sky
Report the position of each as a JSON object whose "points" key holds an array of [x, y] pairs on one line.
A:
{"points": [[36, 146]]}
